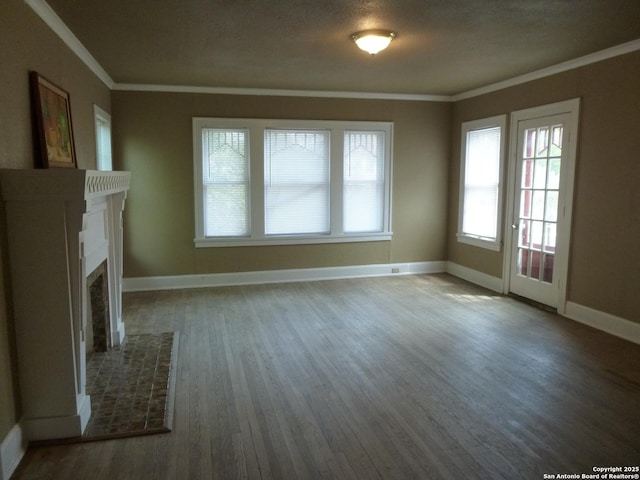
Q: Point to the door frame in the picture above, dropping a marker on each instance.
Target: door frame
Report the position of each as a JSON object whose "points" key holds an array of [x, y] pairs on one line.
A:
{"points": [[565, 201]]}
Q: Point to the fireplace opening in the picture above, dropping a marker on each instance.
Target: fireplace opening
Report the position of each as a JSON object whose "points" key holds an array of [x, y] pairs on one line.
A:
{"points": [[98, 330]]}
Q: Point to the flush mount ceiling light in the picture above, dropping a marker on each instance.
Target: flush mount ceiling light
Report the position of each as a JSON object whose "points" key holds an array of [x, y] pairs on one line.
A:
{"points": [[373, 41]]}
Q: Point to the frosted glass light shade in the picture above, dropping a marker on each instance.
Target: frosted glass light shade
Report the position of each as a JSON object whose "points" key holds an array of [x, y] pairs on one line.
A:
{"points": [[373, 41]]}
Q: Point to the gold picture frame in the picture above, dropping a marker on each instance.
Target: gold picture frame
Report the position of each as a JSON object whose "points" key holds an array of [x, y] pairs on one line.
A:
{"points": [[52, 117]]}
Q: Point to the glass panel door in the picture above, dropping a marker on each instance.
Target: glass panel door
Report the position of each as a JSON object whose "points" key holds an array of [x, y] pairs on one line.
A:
{"points": [[541, 151]]}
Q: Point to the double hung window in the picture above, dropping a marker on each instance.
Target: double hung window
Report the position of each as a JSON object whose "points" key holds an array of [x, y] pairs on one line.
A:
{"points": [[225, 182], [480, 186], [364, 181], [296, 182], [264, 182]]}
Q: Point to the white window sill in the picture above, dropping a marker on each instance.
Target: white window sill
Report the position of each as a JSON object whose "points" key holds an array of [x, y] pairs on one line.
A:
{"points": [[291, 240], [494, 245]]}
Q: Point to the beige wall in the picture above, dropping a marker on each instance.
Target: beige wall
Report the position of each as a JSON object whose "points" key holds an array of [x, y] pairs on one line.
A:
{"points": [[604, 270], [26, 43], [153, 140]]}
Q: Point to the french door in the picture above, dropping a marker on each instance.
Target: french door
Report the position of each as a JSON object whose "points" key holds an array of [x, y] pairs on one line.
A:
{"points": [[541, 188]]}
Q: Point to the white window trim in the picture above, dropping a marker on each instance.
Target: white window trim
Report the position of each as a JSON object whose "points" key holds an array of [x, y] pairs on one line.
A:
{"points": [[256, 128], [481, 124]]}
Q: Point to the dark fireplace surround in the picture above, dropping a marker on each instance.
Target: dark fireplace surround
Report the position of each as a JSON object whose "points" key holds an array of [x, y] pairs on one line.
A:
{"points": [[98, 286]]}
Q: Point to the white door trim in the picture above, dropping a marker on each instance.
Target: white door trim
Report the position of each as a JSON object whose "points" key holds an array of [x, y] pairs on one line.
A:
{"points": [[565, 204]]}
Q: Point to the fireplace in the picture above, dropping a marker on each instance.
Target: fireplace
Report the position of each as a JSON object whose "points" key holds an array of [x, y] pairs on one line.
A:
{"points": [[64, 229]]}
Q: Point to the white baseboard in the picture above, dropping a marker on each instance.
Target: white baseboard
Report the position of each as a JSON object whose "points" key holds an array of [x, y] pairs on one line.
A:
{"points": [[12, 449], [474, 276], [138, 284], [618, 326]]}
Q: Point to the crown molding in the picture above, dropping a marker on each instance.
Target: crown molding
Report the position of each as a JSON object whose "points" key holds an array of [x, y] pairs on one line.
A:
{"points": [[51, 18], [136, 87], [621, 49]]}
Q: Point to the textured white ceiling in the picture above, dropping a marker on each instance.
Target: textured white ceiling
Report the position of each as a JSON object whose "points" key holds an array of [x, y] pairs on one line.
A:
{"points": [[444, 47]]}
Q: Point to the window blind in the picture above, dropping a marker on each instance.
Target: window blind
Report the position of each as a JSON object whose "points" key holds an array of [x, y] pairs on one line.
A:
{"points": [[481, 183], [225, 182], [296, 176], [363, 193]]}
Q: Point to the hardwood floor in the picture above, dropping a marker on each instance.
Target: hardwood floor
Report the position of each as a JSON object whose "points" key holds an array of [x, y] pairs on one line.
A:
{"points": [[407, 377]]}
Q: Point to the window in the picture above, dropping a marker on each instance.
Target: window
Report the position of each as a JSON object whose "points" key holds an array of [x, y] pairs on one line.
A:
{"points": [[103, 139], [364, 181], [225, 182], [296, 182], [278, 182], [480, 187]]}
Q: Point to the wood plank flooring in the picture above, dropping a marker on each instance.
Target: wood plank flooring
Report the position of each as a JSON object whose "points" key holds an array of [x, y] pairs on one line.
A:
{"points": [[406, 377]]}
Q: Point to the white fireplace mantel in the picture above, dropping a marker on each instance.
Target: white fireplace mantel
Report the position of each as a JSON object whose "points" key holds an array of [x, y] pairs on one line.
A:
{"points": [[61, 225]]}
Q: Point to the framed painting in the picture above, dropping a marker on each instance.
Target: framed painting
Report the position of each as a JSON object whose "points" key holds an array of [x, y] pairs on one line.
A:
{"points": [[52, 116]]}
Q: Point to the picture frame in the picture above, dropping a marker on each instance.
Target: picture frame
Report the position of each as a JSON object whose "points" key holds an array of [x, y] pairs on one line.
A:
{"points": [[52, 121]]}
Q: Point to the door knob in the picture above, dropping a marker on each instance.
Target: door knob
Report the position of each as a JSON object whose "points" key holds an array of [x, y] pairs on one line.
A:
{"points": [[514, 226]]}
